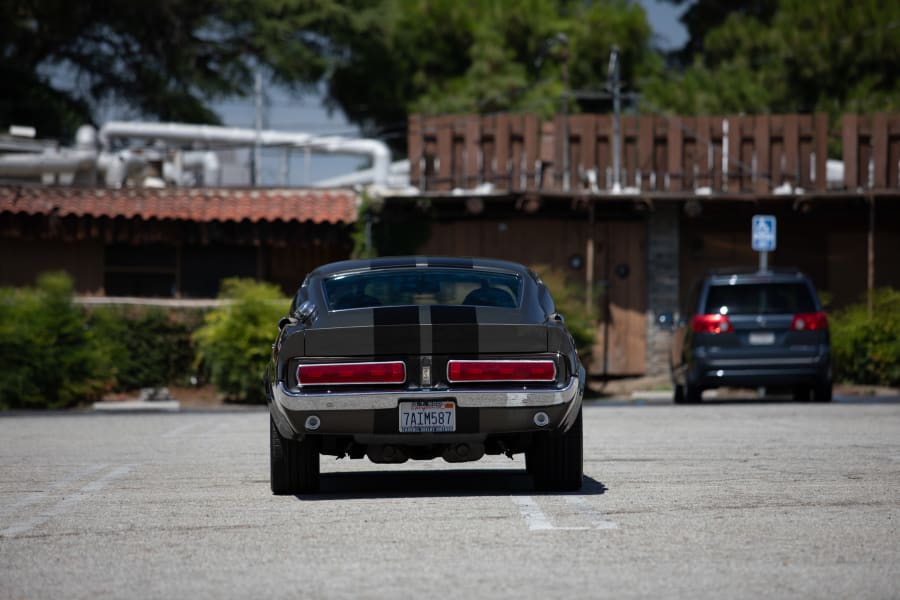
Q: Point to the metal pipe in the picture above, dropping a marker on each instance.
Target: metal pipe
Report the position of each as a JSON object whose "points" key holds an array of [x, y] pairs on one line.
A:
{"points": [[616, 94], [236, 137], [29, 164]]}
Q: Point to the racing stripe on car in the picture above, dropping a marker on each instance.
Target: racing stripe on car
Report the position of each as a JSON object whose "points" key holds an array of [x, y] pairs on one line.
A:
{"points": [[426, 343], [397, 330], [454, 329]]}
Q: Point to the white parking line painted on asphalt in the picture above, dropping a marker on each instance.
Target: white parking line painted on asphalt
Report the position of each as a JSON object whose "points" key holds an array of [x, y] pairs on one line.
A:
{"points": [[179, 430], [67, 503], [535, 517], [36, 497], [597, 519]]}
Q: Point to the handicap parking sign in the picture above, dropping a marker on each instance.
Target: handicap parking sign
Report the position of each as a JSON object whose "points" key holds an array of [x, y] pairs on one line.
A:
{"points": [[764, 233]]}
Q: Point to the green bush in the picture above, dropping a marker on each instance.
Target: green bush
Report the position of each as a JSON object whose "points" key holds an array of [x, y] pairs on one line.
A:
{"points": [[569, 300], [235, 341], [49, 358], [868, 350], [146, 346]]}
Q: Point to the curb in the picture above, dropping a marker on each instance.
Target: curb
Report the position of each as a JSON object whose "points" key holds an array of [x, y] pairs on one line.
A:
{"points": [[138, 406]]}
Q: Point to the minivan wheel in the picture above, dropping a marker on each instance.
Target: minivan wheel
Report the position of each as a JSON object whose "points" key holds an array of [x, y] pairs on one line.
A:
{"points": [[692, 394], [801, 393], [822, 392]]}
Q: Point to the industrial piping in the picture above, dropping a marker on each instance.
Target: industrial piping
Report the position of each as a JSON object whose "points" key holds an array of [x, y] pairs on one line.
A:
{"points": [[234, 136]]}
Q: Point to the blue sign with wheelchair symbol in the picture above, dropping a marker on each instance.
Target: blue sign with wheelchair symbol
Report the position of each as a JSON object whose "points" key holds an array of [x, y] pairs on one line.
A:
{"points": [[764, 233]]}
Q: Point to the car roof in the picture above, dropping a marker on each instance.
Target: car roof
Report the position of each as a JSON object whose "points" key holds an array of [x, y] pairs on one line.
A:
{"points": [[397, 262]]}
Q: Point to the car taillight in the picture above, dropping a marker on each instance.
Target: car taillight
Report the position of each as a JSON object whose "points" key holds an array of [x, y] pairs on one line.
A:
{"points": [[352, 373], [711, 324], [816, 321], [460, 371]]}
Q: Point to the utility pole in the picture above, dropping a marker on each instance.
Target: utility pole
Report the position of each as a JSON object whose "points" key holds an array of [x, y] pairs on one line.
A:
{"points": [[256, 165], [564, 107], [613, 75]]}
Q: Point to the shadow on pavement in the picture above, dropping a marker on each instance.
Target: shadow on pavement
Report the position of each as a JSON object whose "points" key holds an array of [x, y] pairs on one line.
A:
{"points": [[428, 484]]}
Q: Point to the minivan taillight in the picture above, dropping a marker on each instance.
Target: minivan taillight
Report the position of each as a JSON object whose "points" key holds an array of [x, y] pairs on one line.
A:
{"points": [[352, 373], [711, 324], [816, 321], [485, 371]]}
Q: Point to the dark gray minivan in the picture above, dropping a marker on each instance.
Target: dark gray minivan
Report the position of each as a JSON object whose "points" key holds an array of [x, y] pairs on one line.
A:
{"points": [[752, 329]]}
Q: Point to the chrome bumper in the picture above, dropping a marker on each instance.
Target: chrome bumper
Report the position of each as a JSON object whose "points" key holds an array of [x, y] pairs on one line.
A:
{"points": [[469, 398]]}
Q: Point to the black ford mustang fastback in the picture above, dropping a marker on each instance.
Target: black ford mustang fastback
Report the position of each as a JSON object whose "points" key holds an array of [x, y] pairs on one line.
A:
{"points": [[419, 358]]}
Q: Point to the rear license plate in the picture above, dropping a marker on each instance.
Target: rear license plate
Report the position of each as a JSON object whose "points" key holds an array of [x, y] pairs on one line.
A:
{"points": [[428, 416], [762, 338]]}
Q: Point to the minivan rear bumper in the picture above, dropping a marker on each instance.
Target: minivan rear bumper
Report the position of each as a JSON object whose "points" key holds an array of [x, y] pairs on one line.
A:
{"points": [[760, 372]]}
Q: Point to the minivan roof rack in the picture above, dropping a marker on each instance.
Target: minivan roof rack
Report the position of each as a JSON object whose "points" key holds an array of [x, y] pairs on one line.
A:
{"points": [[747, 270]]}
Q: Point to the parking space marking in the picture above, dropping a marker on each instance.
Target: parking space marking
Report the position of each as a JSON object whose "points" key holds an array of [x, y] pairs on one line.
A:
{"points": [[67, 503], [597, 519], [535, 517], [179, 430], [36, 497]]}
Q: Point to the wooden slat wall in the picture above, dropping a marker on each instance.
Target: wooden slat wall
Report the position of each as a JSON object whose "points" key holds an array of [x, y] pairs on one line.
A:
{"points": [[871, 140], [550, 242], [733, 154]]}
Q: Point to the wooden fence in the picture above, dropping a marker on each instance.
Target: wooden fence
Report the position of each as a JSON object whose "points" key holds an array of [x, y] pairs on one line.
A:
{"points": [[728, 154]]}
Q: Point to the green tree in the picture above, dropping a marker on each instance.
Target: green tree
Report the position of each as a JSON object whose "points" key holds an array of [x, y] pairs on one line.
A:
{"points": [[163, 58], [700, 17], [482, 56], [378, 59], [832, 55]]}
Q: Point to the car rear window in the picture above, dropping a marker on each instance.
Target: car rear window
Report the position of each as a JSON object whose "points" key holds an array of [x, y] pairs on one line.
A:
{"points": [[759, 299], [423, 286]]}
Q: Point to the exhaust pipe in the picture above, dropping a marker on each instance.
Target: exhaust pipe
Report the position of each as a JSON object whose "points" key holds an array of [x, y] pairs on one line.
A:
{"points": [[463, 452]]}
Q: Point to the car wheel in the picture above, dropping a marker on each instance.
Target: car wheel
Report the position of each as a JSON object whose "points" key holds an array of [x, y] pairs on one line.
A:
{"points": [[692, 394], [801, 394], [555, 460], [294, 465], [822, 392], [678, 396]]}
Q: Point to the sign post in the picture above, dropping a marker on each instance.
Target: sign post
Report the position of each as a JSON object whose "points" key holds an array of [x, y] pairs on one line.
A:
{"points": [[764, 234]]}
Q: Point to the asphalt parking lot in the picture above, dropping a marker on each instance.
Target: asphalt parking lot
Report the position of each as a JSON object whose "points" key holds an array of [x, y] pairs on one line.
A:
{"points": [[728, 499]]}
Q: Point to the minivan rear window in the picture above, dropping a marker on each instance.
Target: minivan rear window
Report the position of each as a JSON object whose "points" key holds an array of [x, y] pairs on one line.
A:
{"points": [[759, 299], [423, 286]]}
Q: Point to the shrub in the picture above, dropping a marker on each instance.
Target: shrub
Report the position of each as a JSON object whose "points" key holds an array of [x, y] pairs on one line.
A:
{"points": [[235, 341], [146, 346], [868, 350], [48, 357], [569, 300]]}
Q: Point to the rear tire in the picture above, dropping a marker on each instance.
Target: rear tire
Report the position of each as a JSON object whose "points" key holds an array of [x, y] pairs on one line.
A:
{"points": [[294, 465], [556, 460]]}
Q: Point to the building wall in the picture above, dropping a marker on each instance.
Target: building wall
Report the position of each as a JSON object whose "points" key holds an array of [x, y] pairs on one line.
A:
{"points": [[619, 275], [21, 261]]}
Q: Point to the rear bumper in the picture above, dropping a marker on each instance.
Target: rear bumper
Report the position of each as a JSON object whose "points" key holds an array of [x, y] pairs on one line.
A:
{"points": [[761, 372], [479, 412]]}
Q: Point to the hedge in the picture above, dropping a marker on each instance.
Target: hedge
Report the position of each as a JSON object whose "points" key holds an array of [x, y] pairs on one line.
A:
{"points": [[49, 358], [867, 350], [235, 342]]}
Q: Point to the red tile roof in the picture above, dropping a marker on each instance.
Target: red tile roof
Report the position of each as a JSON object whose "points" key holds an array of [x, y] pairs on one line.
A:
{"points": [[188, 204]]}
